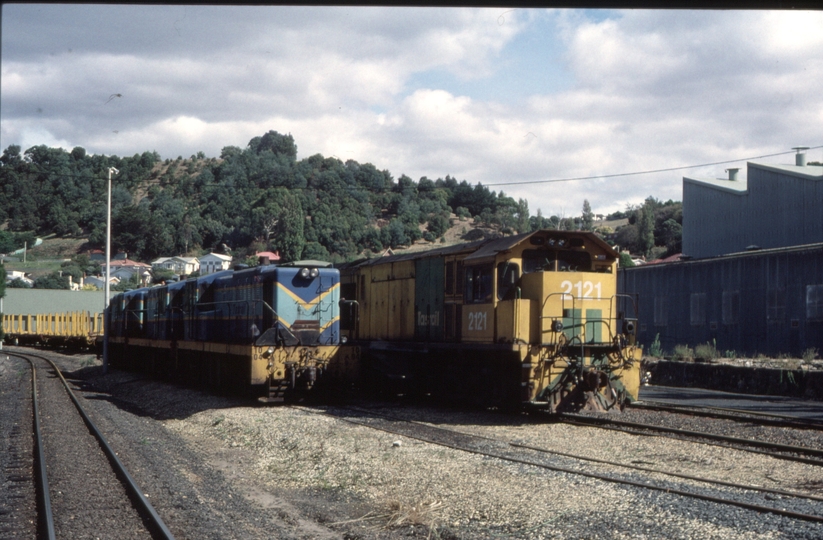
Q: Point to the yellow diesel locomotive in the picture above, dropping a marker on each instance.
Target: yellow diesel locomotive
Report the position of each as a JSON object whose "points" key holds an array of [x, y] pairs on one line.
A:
{"points": [[533, 319]]}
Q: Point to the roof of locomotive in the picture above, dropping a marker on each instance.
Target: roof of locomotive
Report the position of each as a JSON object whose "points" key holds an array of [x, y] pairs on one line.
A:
{"points": [[436, 252], [491, 249], [482, 249]]}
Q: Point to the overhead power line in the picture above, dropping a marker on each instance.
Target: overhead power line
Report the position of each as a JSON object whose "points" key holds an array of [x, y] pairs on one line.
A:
{"points": [[496, 184], [617, 175]]}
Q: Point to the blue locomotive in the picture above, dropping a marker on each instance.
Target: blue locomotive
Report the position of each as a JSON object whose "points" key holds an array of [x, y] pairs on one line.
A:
{"points": [[267, 330]]}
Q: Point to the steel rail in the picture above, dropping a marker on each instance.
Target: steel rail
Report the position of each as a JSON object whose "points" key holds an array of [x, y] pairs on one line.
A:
{"points": [[725, 438], [750, 487], [776, 455], [606, 478], [769, 419], [131, 486], [760, 489], [44, 499]]}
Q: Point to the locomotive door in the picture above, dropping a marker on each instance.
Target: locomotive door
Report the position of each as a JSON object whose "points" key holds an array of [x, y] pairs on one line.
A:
{"points": [[428, 299]]}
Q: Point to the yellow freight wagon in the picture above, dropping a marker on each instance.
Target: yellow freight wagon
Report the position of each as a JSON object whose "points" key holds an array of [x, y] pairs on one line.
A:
{"points": [[70, 329]]}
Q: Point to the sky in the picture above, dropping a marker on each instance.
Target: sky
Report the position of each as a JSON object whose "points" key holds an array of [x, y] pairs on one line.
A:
{"points": [[520, 100]]}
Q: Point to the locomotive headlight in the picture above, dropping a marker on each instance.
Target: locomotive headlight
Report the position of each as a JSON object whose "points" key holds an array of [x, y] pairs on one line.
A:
{"points": [[304, 273], [557, 326], [314, 272], [561, 242]]}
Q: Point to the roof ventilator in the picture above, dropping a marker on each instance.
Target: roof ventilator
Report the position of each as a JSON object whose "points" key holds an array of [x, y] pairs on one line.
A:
{"points": [[800, 157], [732, 174]]}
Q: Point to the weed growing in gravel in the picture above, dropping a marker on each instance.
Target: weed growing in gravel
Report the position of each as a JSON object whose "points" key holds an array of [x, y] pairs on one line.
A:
{"points": [[809, 354], [402, 515], [683, 352], [655, 350], [706, 351], [87, 362]]}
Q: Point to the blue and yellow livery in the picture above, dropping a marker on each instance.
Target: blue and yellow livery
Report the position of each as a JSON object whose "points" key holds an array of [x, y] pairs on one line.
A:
{"points": [[270, 330]]}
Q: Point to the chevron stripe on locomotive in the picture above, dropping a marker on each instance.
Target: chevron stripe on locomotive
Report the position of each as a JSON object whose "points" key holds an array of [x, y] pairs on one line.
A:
{"points": [[532, 319]]}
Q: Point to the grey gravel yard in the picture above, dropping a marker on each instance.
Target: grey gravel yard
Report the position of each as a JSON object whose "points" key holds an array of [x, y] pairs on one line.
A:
{"points": [[224, 468]]}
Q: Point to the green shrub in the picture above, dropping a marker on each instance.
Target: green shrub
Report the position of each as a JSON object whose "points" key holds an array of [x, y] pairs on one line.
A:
{"points": [[809, 354]]}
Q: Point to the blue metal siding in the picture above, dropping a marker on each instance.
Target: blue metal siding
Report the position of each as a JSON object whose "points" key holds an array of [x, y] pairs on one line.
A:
{"points": [[783, 206], [753, 276]]}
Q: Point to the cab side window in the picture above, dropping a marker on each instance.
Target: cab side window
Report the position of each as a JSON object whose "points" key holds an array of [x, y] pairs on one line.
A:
{"points": [[507, 275], [478, 285]]}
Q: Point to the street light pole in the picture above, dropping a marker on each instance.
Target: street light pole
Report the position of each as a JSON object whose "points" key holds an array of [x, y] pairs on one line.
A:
{"points": [[108, 273]]}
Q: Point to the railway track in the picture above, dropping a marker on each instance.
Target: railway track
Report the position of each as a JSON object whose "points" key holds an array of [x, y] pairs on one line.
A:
{"points": [[739, 415], [82, 488], [802, 454], [793, 504]]}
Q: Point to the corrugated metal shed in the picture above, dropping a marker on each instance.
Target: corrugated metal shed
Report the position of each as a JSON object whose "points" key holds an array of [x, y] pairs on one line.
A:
{"points": [[34, 301], [765, 301], [776, 206]]}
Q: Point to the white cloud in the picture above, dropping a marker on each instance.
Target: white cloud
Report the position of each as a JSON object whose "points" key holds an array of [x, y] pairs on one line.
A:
{"points": [[649, 89]]}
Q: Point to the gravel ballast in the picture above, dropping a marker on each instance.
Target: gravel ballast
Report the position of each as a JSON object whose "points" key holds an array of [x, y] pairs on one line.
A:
{"points": [[224, 468]]}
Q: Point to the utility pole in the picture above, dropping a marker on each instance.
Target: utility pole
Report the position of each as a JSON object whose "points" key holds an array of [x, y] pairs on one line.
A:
{"points": [[108, 272]]}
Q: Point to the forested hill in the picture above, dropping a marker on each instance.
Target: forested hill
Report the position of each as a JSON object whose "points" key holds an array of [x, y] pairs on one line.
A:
{"points": [[251, 199], [257, 198]]}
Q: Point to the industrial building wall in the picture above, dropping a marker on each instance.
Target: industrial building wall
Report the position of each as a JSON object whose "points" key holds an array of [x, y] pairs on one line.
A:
{"points": [[777, 206], [767, 302], [714, 220], [787, 208]]}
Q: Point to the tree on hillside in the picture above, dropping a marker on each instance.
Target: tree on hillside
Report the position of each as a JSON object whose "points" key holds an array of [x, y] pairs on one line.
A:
{"points": [[587, 220], [279, 220], [645, 229]]}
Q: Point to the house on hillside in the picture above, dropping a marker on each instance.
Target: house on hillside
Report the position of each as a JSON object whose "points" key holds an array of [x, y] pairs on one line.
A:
{"points": [[179, 265], [126, 269], [11, 275], [214, 262], [100, 281], [267, 256]]}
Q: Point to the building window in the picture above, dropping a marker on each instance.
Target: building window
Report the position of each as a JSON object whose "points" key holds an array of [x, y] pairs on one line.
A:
{"points": [[776, 309], [814, 302], [661, 311], [698, 309], [731, 307]]}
